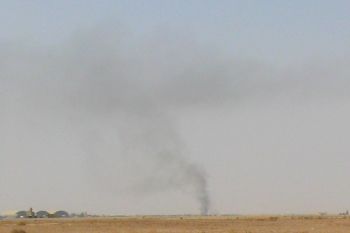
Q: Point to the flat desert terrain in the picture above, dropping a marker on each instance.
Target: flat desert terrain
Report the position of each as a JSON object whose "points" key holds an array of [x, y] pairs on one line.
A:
{"points": [[186, 224]]}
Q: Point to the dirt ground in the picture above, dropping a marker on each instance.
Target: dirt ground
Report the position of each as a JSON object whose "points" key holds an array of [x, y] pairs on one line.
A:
{"points": [[229, 224]]}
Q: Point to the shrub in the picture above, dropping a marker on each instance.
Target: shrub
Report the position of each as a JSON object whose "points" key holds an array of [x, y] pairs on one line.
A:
{"points": [[18, 231]]}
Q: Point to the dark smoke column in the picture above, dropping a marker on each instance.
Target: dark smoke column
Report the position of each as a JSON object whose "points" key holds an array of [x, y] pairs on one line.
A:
{"points": [[151, 135], [199, 182]]}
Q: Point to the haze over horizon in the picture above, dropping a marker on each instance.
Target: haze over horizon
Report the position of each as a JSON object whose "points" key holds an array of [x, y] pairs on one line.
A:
{"points": [[175, 107]]}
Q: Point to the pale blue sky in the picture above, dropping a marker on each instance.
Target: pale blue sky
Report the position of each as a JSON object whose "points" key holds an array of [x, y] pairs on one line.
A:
{"points": [[271, 30]]}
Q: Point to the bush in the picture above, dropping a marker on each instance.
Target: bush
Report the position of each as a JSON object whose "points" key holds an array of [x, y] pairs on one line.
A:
{"points": [[18, 231]]}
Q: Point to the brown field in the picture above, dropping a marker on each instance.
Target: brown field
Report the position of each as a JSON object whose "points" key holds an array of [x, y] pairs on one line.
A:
{"points": [[217, 224]]}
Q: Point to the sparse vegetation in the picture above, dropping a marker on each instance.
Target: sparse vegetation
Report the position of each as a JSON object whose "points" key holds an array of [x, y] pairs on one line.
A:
{"points": [[273, 218], [18, 231], [182, 224]]}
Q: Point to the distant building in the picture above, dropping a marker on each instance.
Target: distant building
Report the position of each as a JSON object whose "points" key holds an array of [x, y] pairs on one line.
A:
{"points": [[61, 214], [346, 213], [30, 213], [42, 214], [21, 214]]}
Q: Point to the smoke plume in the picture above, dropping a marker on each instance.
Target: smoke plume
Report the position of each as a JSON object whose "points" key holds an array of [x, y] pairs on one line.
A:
{"points": [[118, 96], [97, 83]]}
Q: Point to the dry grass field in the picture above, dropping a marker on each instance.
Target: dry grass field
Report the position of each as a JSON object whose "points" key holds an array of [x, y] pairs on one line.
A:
{"points": [[300, 224]]}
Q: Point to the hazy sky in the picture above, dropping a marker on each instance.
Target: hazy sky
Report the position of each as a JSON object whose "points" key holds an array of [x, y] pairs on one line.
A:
{"points": [[169, 107]]}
